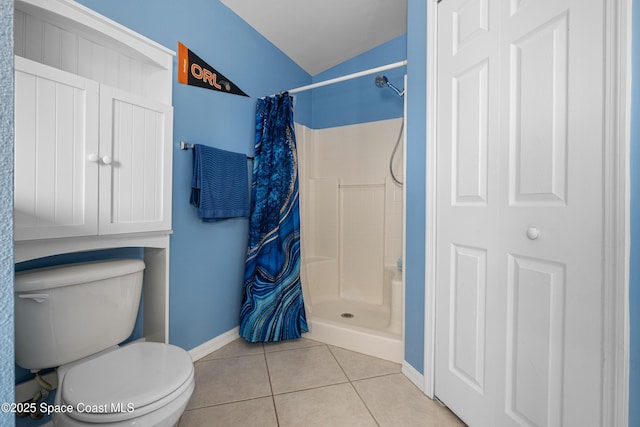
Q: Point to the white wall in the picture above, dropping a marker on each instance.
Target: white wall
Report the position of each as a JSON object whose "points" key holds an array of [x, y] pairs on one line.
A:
{"points": [[351, 210]]}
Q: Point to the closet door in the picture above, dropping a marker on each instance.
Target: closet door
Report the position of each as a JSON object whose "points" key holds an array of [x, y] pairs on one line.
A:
{"points": [[135, 170], [521, 212], [56, 141]]}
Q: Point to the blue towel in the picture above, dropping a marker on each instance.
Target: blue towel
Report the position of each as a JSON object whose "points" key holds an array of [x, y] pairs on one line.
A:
{"points": [[219, 185]]}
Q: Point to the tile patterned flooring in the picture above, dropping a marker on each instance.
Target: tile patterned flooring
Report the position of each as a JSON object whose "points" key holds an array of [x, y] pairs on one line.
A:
{"points": [[305, 383]]}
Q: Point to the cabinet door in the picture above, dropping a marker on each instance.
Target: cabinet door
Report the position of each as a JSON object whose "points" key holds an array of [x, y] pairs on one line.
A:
{"points": [[56, 130], [135, 170]]}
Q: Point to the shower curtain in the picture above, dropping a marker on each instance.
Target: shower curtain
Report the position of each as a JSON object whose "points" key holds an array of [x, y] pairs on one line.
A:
{"points": [[272, 304]]}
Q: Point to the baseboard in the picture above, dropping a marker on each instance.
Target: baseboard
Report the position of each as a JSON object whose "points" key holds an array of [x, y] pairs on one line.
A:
{"points": [[214, 344], [413, 375]]}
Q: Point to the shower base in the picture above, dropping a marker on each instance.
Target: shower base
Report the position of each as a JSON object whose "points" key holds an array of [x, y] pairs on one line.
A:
{"points": [[364, 329], [368, 316]]}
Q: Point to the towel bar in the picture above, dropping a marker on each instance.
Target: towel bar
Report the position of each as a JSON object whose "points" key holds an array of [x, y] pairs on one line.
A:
{"points": [[187, 146]]}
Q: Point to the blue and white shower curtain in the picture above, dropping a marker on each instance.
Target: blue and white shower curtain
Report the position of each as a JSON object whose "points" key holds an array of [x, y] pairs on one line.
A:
{"points": [[272, 303]]}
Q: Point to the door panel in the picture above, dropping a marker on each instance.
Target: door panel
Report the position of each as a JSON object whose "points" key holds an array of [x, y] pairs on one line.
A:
{"points": [[468, 21], [519, 243], [535, 313], [467, 181], [56, 128], [469, 126], [467, 315], [134, 187], [538, 115]]}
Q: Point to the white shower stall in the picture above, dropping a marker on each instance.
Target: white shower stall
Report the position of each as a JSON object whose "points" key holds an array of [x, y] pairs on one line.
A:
{"points": [[353, 235]]}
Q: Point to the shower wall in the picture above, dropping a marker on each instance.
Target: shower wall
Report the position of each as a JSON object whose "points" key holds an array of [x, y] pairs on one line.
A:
{"points": [[351, 210]]}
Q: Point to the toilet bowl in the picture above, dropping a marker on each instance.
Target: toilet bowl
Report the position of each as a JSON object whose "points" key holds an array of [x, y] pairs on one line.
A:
{"points": [[141, 384], [72, 317]]}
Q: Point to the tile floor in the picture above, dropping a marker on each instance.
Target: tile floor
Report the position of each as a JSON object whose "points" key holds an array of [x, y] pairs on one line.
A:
{"points": [[306, 383]]}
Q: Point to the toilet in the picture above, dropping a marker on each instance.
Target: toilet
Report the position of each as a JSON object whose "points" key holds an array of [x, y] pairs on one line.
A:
{"points": [[72, 318]]}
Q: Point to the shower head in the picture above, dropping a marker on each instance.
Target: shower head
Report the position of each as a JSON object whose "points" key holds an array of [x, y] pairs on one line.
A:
{"points": [[383, 81]]}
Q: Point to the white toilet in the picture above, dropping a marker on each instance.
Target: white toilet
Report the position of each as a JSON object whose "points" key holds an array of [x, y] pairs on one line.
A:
{"points": [[72, 317]]}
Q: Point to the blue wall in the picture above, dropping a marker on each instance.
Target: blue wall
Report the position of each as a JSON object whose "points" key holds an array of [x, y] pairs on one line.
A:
{"points": [[207, 260], [634, 262], [416, 184], [6, 209], [360, 100]]}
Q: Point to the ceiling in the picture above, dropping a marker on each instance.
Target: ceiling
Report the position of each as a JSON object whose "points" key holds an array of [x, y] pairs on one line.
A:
{"points": [[320, 34]]}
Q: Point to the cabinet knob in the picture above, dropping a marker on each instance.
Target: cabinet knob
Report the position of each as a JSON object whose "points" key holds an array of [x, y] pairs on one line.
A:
{"points": [[107, 160], [93, 157]]}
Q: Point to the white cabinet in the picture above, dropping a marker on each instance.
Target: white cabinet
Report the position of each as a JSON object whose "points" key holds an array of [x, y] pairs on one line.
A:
{"points": [[90, 159]]}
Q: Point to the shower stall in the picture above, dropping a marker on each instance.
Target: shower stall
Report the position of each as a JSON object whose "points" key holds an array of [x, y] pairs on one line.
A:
{"points": [[352, 225]]}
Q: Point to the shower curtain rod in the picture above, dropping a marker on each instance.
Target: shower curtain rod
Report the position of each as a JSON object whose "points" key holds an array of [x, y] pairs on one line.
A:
{"points": [[348, 77]]}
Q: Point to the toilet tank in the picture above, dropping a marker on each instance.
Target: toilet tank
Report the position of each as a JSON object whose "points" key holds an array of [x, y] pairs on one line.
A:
{"points": [[68, 312]]}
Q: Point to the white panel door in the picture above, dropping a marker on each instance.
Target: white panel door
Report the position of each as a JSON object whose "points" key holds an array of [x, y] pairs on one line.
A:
{"points": [[135, 150], [56, 130], [519, 275]]}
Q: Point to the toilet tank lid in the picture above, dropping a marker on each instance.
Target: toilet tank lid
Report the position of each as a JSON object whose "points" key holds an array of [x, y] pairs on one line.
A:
{"points": [[73, 274]]}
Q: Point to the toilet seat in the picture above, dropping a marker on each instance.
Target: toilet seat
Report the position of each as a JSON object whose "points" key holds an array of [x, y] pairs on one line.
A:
{"points": [[127, 383]]}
